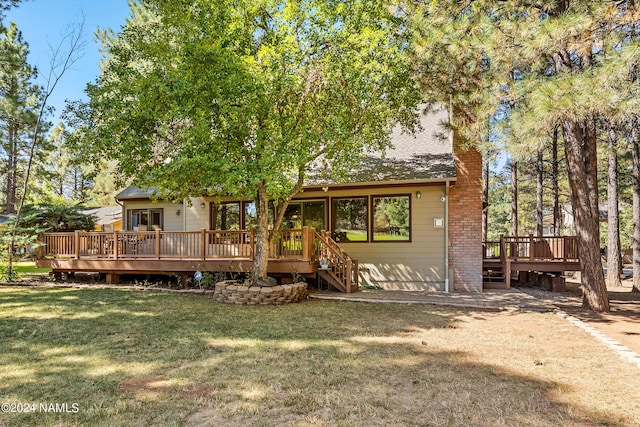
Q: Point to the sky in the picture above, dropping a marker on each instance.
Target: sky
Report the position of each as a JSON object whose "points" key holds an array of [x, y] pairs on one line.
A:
{"points": [[43, 24]]}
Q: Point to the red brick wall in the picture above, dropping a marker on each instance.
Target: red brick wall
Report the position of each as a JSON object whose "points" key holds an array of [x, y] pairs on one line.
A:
{"points": [[465, 222]]}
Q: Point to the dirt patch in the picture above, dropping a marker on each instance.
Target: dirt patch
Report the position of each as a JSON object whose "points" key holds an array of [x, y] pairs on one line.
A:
{"points": [[622, 323], [146, 388]]}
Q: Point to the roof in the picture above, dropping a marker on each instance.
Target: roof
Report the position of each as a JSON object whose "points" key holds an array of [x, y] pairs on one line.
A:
{"points": [[131, 193], [426, 155], [105, 214]]}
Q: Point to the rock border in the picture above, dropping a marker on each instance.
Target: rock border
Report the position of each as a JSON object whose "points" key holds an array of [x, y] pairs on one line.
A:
{"points": [[232, 292]]}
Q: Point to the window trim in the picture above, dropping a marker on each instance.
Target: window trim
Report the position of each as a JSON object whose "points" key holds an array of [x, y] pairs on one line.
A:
{"points": [[380, 196], [240, 213], [149, 213], [367, 216]]}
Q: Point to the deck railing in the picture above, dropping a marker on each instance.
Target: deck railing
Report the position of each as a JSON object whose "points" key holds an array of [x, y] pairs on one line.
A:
{"points": [[203, 244], [344, 268], [564, 248]]}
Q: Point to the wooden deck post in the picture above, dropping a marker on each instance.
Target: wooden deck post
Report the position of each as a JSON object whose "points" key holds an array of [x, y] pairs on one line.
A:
{"points": [[116, 243], [531, 247], [307, 243], [76, 244], [158, 243], [348, 274], [203, 244]]}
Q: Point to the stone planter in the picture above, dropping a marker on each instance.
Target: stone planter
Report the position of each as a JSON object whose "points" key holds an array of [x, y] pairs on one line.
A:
{"points": [[231, 292]]}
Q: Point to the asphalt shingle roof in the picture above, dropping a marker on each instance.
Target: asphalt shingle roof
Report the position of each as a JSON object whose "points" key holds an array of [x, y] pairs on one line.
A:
{"points": [[426, 155]]}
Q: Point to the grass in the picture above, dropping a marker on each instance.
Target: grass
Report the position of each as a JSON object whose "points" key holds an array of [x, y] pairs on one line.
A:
{"points": [[134, 358], [29, 267]]}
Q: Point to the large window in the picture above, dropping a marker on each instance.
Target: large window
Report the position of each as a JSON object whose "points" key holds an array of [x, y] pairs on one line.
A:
{"points": [[391, 218], [305, 214], [350, 220], [225, 216], [145, 219], [251, 215]]}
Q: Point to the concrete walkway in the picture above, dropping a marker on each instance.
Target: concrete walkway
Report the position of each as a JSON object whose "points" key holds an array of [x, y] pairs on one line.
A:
{"points": [[510, 299]]}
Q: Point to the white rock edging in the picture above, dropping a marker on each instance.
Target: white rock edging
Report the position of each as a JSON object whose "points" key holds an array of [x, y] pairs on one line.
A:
{"points": [[623, 351]]}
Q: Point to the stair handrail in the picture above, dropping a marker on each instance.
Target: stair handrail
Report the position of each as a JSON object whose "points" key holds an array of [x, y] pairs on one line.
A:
{"points": [[345, 268]]}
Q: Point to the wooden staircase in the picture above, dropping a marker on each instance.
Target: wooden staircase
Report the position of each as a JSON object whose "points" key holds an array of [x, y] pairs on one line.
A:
{"points": [[496, 271], [493, 274], [342, 272]]}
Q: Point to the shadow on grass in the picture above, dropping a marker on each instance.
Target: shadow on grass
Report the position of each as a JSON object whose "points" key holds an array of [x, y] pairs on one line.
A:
{"points": [[336, 363]]}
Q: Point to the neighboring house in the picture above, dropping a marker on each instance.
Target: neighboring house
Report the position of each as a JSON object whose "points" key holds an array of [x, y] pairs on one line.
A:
{"points": [[412, 217], [108, 218]]}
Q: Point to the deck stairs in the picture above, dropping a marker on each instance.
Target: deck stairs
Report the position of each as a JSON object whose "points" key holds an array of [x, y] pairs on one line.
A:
{"points": [[342, 271], [493, 274]]}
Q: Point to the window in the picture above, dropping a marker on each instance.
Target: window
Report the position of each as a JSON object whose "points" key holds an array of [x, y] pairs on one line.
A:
{"points": [[225, 216], [350, 220], [251, 216], [391, 218], [152, 219], [305, 214]]}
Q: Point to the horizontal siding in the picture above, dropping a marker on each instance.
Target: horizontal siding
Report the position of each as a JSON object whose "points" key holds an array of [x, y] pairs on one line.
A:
{"points": [[417, 264], [172, 221]]}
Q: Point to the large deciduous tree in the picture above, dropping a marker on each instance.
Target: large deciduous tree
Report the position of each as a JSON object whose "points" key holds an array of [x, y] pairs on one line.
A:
{"points": [[241, 97]]}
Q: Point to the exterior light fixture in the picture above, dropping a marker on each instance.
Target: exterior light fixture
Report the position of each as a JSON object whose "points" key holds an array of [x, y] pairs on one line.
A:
{"points": [[202, 205], [418, 194], [178, 212]]}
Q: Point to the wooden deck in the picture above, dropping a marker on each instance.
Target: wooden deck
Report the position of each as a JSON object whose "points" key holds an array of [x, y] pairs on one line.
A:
{"points": [[517, 254], [183, 253]]}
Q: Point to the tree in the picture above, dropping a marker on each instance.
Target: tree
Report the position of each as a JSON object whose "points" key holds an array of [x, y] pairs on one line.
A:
{"points": [[20, 99], [60, 62], [242, 98], [614, 261], [635, 150]]}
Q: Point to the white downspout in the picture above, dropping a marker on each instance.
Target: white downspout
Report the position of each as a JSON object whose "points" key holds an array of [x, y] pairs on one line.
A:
{"points": [[446, 239], [184, 214]]}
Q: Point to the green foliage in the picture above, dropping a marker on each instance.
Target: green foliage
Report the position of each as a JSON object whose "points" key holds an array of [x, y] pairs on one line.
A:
{"points": [[20, 101], [58, 217], [8, 276], [222, 97]]}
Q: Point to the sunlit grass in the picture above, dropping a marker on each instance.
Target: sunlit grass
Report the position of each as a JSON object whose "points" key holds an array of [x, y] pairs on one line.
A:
{"points": [[135, 358], [29, 267]]}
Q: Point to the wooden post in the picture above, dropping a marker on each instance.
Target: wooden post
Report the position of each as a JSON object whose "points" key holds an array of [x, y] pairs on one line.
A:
{"points": [[306, 238], [76, 242], [116, 243], [531, 247], [507, 274], [348, 276], [158, 243], [203, 244]]}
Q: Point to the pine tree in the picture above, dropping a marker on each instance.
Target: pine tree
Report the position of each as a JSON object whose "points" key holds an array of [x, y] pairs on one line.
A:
{"points": [[19, 103]]}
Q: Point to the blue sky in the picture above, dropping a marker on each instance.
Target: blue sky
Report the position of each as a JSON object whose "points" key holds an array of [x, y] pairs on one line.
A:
{"points": [[43, 24]]}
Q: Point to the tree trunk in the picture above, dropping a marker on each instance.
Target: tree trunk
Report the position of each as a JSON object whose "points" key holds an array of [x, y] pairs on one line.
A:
{"points": [[485, 201], [614, 260], [514, 198], [557, 217], [261, 255], [10, 189], [539, 194], [635, 151], [578, 146]]}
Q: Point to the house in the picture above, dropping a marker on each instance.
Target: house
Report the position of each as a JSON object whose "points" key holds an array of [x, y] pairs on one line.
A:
{"points": [[411, 217], [108, 218]]}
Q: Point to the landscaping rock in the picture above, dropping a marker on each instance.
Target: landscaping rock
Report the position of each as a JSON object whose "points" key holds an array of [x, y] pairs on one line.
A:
{"points": [[232, 293]]}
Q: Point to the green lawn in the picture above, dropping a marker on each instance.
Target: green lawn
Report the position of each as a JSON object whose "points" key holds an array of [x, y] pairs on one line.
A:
{"points": [[29, 267], [127, 357]]}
